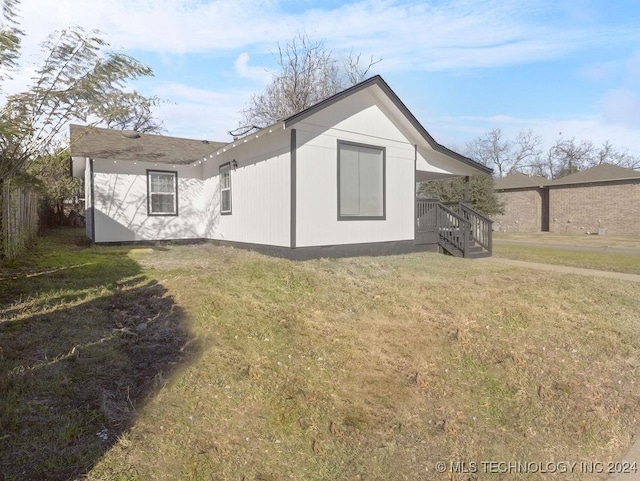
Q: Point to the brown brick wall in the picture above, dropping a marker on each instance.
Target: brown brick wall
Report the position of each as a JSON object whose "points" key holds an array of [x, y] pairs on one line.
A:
{"points": [[577, 209], [522, 210]]}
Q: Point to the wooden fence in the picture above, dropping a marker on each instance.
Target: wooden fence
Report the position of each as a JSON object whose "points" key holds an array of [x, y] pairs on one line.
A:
{"points": [[19, 220]]}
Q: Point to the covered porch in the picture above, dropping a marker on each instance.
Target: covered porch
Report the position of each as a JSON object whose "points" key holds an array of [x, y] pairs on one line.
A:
{"points": [[455, 227]]}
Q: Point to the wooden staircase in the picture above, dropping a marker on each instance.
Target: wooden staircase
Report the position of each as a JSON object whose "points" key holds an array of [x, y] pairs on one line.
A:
{"points": [[457, 229]]}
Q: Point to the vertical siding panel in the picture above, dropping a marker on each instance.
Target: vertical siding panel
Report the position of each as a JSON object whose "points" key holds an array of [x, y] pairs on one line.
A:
{"points": [[362, 122], [261, 197]]}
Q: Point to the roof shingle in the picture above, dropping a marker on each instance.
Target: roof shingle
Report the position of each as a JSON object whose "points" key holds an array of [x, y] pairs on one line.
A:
{"points": [[600, 173], [519, 181], [100, 143]]}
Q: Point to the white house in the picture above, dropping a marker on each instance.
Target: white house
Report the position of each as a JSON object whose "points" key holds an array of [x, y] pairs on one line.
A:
{"points": [[338, 178]]}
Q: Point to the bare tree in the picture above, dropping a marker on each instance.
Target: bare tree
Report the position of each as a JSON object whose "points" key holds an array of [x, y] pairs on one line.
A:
{"points": [[308, 72], [505, 155], [607, 153], [568, 156], [355, 70]]}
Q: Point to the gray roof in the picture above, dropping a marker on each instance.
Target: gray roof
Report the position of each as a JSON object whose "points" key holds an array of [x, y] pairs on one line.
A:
{"points": [[599, 173], [519, 181], [100, 143]]}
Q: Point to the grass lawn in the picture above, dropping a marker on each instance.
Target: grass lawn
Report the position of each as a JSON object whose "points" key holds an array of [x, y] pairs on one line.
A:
{"points": [[606, 261], [201, 362]]}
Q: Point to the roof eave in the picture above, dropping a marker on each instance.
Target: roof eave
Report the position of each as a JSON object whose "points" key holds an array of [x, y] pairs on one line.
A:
{"points": [[379, 81]]}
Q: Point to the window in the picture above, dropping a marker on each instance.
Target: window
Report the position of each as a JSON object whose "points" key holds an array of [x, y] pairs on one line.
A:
{"points": [[225, 189], [162, 192], [361, 182]]}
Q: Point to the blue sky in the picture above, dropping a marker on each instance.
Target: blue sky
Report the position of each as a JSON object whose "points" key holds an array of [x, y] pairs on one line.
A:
{"points": [[562, 68]]}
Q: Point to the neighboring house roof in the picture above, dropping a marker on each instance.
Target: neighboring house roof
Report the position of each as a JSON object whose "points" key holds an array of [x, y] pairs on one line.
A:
{"points": [[519, 181], [100, 143], [600, 173], [379, 81]]}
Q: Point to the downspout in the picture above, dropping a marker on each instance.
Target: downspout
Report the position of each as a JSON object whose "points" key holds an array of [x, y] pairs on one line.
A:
{"points": [[293, 152], [467, 195], [93, 202], [415, 192]]}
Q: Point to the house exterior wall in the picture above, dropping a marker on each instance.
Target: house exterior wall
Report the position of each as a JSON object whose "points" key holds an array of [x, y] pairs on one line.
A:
{"points": [[522, 210], [260, 192], [357, 120], [579, 209], [120, 203]]}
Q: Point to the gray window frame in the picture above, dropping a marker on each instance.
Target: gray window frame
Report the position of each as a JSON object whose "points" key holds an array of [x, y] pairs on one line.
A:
{"points": [[175, 193], [226, 166], [384, 181]]}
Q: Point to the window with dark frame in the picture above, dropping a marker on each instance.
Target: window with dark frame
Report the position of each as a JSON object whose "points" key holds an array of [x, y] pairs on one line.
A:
{"points": [[225, 189], [361, 181], [162, 192]]}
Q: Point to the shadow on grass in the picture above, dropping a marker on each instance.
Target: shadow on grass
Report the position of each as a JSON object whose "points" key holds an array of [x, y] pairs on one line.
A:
{"points": [[86, 339]]}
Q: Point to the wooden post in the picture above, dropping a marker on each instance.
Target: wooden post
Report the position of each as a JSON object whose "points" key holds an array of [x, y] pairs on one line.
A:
{"points": [[467, 196]]}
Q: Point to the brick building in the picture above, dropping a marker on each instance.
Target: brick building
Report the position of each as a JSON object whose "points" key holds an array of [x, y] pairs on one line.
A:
{"points": [[603, 199], [525, 200]]}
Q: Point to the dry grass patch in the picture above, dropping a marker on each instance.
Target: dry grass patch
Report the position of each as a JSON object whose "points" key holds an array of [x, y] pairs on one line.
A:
{"points": [[377, 368], [605, 261], [581, 240]]}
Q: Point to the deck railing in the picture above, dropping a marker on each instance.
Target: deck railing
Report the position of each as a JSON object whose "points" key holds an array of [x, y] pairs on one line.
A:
{"points": [[457, 224], [426, 215], [481, 226], [453, 228]]}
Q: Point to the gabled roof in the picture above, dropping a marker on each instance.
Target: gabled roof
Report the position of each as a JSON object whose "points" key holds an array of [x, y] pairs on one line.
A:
{"points": [[600, 173], [377, 80], [519, 181], [100, 143]]}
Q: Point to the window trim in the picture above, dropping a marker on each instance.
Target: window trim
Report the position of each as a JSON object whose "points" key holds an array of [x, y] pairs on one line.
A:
{"points": [[175, 193], [384, 181], [222, 167]]}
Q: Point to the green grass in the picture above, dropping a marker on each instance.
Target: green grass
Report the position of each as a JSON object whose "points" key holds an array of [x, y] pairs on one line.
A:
{"points": [[72, 361], [255, 368], [605, 261]]}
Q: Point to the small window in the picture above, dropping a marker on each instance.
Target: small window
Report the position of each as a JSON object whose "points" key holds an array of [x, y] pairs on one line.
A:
{"points": [[162, 188], [361, 182], [225, 189]]}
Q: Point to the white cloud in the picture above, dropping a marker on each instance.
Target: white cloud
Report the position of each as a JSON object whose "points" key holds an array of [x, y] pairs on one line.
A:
{"points": [[198, 113], [622, 106], [408, 34], [259, 74]]}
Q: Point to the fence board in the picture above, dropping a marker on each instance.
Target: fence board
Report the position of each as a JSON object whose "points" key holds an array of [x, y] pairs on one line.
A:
{"points": [[19, 220]]}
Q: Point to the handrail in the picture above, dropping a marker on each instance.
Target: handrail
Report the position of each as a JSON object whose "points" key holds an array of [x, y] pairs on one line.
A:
{"points": [[457, 225], [480, 227], [453, 228], [475, 212]]}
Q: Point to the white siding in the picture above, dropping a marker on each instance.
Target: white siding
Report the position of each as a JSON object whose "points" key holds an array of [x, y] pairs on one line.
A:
{"points": [[120, 202], [356, 119], [260, 192]]}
